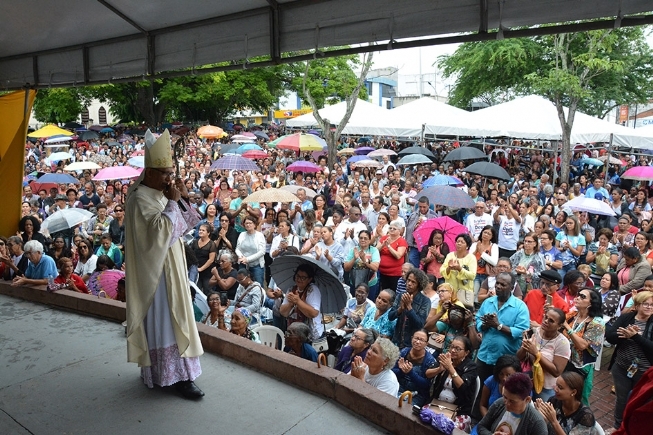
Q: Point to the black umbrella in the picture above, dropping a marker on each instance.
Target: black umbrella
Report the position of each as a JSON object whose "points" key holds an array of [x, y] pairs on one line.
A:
{"points": [[487, 169], [72, 125], [331, 289], [228, 148], [417, 150], [261, 135], [465, 153], [88, 135]]}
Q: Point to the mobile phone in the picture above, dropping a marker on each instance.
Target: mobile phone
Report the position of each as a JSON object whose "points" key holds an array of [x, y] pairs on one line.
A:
{"points": [[529, 333], [549, 299], [223, 299]]}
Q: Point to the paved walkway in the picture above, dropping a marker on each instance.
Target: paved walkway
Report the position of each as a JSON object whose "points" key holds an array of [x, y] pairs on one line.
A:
{"points": [[62, 372]]}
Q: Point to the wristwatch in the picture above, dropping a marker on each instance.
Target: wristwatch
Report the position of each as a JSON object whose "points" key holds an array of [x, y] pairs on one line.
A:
{"points": [[500, 327]]}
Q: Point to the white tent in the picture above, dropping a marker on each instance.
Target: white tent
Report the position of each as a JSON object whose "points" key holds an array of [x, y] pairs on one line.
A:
{"points": [[363, 114], [534, 117], [409, 119]]}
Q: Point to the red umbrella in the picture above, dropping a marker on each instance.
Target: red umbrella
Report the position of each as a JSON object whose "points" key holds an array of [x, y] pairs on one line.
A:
{"points": [[449, 227], [255, 154]]}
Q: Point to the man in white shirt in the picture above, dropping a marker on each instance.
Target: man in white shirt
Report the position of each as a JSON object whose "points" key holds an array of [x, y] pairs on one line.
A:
{"points": [[366, 205], [349, 228], [478, 220]]}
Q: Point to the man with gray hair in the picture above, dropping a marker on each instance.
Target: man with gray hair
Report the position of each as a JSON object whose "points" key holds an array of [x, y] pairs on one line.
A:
{"points": [[41, 267], [417, 218]]}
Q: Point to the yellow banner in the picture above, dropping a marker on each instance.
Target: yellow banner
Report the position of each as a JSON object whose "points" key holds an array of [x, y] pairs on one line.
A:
{"points": [[14, 116], [286, 114]]}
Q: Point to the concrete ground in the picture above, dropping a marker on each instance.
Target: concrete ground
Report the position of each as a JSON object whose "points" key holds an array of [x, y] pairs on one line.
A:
{"points": [[64, 373]]}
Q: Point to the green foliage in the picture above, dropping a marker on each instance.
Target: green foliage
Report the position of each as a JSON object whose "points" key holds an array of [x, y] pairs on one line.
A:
{"points": [[60, 105], [330, 80]]}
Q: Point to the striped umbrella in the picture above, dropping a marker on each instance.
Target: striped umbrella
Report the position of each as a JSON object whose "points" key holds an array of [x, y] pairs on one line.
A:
{"points": [[301, 142], [234, 162]]}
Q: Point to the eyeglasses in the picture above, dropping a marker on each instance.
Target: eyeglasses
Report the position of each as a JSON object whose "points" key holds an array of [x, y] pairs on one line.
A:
{"points": [[544, 283], [582, 296], [354, 338], [529, 241], [212, 300], [85, 248], [647, 305], [302, 277], [391, 228], [166, 174], [419, 340], [118, 209], [456, 349], [443, 290]]}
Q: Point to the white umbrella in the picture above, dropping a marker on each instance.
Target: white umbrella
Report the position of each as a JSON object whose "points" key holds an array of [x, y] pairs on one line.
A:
{"points": [[293, 188], [58, 139], [80, 166], [61, 155], [382, 152], [590, 205], [414, 159], [271, 195], [65, 219]]}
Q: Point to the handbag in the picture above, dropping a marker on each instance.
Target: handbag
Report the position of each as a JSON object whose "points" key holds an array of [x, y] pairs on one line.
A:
{"points": [[361, 276], [449, 410]]}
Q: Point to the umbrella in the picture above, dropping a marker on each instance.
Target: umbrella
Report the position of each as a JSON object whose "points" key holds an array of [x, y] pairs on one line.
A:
{"points": [[58, 139], [117, 173], [106, 281], [487, 169], [367, 163], [125, 138], [449, 227], [590, 205], [210, 131], [249, 135], [88, 135], [301, 142], [331, 291], [138, 153], [247, 147], [65, 219], [96, 127], [415, 159], [593, 162], [273, 143], [61, 155], [382, 152], [228, 148], [442, 180], [293, 188], [80, 166], [72, 125], [354, 159], [106, 130], [113, 143], [363, 150], [234, 163], [271, 195], [49, 131], [241, 137], [465, 153], [314, 132], [346, 152], [138, 161], [448, 196], [101, 158], [364, 139], [255, 154], [58, 178], [304, 166], [613, 160], [416, 150], [640, 173], [261, 135]]}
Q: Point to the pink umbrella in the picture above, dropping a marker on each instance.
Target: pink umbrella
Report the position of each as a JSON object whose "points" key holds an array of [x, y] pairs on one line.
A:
{"points": [[303, 166], [138, 153], [249, 135], [641, 173], [117, 173], [448, 226], [255, 154], [106, 281]]}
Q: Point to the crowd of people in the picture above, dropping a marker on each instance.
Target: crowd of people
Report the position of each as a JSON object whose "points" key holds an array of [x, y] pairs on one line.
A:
{"points": [[506, 323]]}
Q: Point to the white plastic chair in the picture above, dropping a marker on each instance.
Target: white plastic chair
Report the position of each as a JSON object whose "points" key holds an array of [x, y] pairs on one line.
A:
{"points": [[269, 336], [200, 299], [478, 388], [598, 430]]}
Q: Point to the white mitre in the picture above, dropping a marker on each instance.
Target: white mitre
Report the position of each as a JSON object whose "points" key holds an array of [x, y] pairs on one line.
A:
{"points": [[158, 152]]}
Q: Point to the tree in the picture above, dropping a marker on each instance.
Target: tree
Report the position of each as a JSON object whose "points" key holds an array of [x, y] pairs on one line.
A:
{"points": [[134, 101], [60, 105], [590, 71], [330, 80]]}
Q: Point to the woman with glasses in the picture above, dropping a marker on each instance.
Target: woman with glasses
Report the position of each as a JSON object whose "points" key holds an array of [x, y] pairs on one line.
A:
{"points": [[411, 368], [358, 345], [571, 244], [432, 255], [602, 256], [363, 262], [210, 217], [392, 249], [455, 378], [223, 195], [250, 250], [302, 302], [226, 235], [87, 260], [584, 328], [551, 346], [633, 334], [375, 369], [459, 270], [528, 263], [224, 277], [117, 227]]}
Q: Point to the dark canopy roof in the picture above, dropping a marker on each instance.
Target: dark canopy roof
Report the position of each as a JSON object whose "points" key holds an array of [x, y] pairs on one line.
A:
{"points": [[62, 43]]}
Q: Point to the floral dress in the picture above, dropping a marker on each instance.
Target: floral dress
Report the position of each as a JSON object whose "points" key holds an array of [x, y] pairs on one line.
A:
{"points": [[534, 265]]}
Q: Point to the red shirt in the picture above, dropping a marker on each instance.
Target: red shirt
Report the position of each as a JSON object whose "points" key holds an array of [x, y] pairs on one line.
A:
{"points": [[389, 265], [535, 301], [79, 282]]}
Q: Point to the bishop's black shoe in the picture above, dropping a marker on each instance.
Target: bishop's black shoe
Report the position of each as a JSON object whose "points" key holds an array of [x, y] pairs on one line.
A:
{"points": [[189, 390]]}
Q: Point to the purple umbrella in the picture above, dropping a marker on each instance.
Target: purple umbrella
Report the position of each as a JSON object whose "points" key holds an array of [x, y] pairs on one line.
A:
{"points": [[303, 166], [234, 162], [314, 132], [363, 150]]}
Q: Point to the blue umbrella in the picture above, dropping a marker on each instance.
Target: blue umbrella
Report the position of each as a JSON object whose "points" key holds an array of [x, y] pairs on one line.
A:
{"points": [[261, 135], [248, 147], [363, 150], [442, 180], [58, 178], [593, 162], [364, 139], [106, 130], [357, 159]]}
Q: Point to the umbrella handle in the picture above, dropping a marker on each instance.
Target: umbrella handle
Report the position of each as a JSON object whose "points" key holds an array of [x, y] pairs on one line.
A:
{"points": [[321, 358], [405, 394]]}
